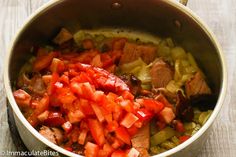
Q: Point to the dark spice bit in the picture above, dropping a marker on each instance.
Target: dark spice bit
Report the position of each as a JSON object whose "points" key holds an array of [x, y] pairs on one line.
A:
{"points": [[184, 110], [133, 82]]}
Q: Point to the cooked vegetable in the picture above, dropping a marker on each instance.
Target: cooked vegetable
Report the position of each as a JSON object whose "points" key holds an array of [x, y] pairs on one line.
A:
{"points": [[103, 95]]}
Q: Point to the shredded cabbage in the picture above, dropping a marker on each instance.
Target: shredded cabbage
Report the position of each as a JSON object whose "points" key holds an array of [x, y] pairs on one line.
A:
{"points": [[139, 69]]}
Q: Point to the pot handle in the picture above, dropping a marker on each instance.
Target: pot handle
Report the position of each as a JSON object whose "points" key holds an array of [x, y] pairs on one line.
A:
{"points": [[184, 2]]}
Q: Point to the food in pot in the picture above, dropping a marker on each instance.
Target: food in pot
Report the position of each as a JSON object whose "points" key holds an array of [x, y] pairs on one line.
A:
{"points": [[100, 95]]}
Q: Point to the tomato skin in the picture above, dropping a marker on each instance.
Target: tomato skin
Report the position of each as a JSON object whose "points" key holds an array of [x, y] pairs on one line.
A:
{"points": [[151, 105], [96, 130], [54, 119], [91, 150], [112, 126], [118, 153], [184, 138], [51, 87], [129, 120], [123, 135], [144, 114]]}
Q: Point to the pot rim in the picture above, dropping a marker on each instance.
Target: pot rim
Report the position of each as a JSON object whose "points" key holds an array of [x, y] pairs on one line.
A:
{"points": [[180, 147]]}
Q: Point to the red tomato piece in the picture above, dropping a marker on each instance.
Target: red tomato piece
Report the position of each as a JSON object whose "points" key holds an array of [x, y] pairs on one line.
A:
{"points": [[98, 111], [57, 65], [43, 61], [54, 119], [67, 126], [151, 105], [96, 130], [86, 107], [91, 149], [112, 126], [123, 135], [108, 149], [132, 130], [118, 153], [184, 138], [82, 136], [129, 120], [51, 87], [167, 114], [127, 105], [43, 116], [22, 98], [144, 114], [128, 95], [75, 116]]}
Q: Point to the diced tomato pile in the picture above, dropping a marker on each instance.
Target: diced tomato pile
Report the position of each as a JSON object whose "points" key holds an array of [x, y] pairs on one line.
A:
{"points": [[94, 107]]}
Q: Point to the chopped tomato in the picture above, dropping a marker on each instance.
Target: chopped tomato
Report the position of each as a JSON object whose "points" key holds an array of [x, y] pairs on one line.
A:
{"points": [[127, 105], [82, 136], [151, 105], [129, 120], [96, 61], [184, 138], [43, 61], [128, 95], [75, 116], [66, 96], [167, 114], [108, 149], [123, 135], [54, 119], [57, 65], [98, 111], [22, 98], [86, 107], [132, 130], [91, 149], [43, 116], [118, 153], [106, 60], [144, 114], [54, 79], [96, 130], [67, 126], [84, 90], [112, 126]]}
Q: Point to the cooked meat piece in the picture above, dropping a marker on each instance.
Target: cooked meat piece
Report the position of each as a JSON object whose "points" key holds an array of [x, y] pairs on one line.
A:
{"points": [[58, 135], [197, 86], [184, 110], [37, 85], [140, 141], [52, 134], [133, 82], [88, 44], [63, 36], [133, 51], [161, 73]]}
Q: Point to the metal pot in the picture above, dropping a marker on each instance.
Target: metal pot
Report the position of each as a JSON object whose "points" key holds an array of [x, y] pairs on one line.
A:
{"points": [[158, 17]]}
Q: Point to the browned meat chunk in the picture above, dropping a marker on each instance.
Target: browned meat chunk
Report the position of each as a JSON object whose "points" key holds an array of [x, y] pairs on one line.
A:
{"points": [[140, 141], [161, 74], [63, 36], [52, 134], [37, 85], [133, 51], [197, 86]]}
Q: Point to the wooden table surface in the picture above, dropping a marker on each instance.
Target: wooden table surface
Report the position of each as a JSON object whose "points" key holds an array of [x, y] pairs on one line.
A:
{"points": [[220, 16]]}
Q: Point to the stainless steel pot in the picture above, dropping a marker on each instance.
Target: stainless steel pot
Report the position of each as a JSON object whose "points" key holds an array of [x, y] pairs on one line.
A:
{"points": [[159, 17]]}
